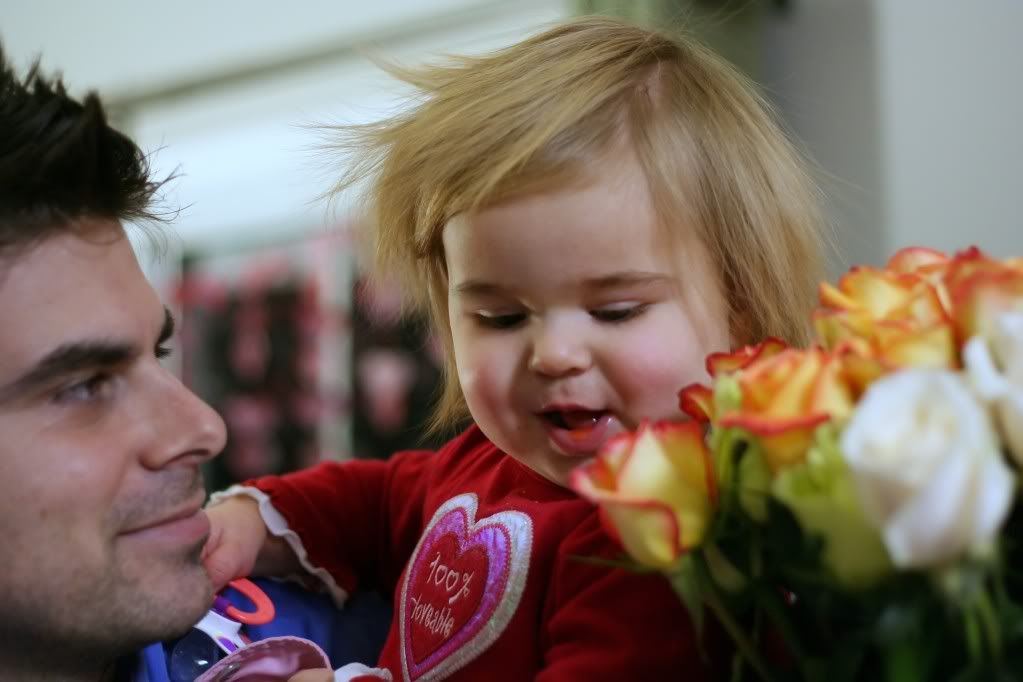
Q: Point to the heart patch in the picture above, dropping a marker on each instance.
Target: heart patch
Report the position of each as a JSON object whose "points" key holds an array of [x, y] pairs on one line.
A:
{"points": [[462, 586]]}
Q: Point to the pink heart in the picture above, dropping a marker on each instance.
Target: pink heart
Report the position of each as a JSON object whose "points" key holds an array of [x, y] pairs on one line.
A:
{"points": [[462, 587]]}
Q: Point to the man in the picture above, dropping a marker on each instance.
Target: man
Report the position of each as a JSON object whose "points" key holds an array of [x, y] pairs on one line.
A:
{"points": [[101, 525]]}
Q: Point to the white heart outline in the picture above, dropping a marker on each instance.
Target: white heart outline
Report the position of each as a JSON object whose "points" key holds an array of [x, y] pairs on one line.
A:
{"points": [[520, 533]]}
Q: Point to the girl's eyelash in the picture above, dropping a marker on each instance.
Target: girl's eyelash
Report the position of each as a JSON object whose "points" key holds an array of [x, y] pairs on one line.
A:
{"points": [[614, 315], [500, 321], [162, 352], [608, 315]]}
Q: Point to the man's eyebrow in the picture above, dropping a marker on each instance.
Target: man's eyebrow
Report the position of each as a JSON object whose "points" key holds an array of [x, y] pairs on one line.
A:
{"points": [[78, 356], [68, 359]]}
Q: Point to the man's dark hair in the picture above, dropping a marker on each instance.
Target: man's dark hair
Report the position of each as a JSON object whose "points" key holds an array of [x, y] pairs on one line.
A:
{"points": [[60, 162]]}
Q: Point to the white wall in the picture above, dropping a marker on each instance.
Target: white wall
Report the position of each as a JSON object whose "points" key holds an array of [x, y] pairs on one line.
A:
{"points": [[913, 109], [952, 93], [910, 107], [249, 161], [126, 46], [186, 81], [820, 66]]}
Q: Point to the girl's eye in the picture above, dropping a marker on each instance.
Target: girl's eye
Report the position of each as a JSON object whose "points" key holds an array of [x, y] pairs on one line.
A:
{"points": [[162, 352], [500, 321], [618, 313], [94, 388]]}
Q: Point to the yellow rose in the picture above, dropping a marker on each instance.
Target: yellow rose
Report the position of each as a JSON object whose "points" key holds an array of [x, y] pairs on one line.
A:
{"points": [[656, 491]]}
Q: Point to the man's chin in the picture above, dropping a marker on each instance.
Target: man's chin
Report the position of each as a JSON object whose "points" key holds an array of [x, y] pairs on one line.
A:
{"points": [[178, 617], [175, 594]]}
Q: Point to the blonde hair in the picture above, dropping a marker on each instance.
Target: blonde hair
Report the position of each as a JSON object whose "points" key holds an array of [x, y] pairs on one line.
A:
{"points": [[534, 115]]}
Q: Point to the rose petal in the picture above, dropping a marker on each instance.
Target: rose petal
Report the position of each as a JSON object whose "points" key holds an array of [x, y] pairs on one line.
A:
{"points": [[995, 489], [1010, 421], [978, 299], [878, 291], [668, 463], [835, 327], [832, 394], [723, 363], [655, 488], [931, 527], [986, 380], [784, 441], [961, 508], [648, 531], [697, 401], [914, 258], [904, 346]]}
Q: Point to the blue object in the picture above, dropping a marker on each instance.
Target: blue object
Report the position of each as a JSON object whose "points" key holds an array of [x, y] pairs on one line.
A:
{"points": [[191, 656], [354, 634]]}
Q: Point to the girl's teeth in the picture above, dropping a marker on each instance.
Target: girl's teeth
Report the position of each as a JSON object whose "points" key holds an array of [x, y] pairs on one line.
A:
{"points": [[580, 419]]}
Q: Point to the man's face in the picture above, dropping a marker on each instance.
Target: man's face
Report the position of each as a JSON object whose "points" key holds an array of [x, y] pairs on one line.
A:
{"points": [[100, 449]]}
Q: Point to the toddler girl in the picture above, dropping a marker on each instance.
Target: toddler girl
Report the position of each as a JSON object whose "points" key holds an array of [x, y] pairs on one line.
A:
{"points": [[586, 215]]}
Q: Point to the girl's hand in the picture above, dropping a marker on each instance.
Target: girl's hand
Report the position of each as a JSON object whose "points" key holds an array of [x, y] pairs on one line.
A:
{"points": [[237, 535]]}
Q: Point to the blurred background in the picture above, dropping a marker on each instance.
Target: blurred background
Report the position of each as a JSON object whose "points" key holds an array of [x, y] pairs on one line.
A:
{"points": [[910, 109]]}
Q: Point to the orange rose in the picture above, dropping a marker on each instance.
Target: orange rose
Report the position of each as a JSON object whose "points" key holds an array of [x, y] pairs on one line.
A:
{"points": [[785, 397], [917, 259], [697, 400], [721, 363], [980, 289], [656, 490], [895, 316]]}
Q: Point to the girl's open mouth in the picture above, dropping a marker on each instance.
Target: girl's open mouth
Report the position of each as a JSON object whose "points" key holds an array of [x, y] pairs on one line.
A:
{"points": [[579, 432]]}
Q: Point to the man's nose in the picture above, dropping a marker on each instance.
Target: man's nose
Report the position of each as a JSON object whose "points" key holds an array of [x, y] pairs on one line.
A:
{"points": [[186, 426], [558, 350]]}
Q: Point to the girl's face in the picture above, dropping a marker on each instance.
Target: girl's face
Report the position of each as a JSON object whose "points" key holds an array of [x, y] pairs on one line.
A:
{"points": [[573, 319]]}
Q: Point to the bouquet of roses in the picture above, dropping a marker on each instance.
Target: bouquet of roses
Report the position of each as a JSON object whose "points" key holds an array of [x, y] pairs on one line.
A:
{"points": [[856, 503]]}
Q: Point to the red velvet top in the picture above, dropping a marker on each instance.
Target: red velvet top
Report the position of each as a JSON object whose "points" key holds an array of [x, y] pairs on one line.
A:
{"points": [[482, 556]]}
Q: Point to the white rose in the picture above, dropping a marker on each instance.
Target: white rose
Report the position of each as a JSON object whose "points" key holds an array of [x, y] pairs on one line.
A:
{"points": [[995, 368], [927, 467]]}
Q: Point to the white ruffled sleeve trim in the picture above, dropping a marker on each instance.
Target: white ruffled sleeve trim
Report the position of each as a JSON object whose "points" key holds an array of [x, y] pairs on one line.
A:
{"points": [[358, 671], [278, 527]]}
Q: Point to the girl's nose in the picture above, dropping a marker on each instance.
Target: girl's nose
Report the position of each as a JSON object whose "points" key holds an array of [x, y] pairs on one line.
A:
{"points": [[558, 352]]}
